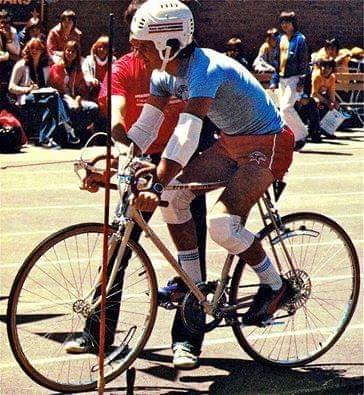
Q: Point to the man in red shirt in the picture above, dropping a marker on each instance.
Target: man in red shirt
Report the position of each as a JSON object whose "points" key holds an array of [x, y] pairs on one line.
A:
{"points": [[130, 90], [64, 31]]}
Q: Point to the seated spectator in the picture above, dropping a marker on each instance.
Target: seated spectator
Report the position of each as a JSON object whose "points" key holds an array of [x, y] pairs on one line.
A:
{"points": [[264, 62], [31, 72], [33, 29], [64, 31], [331, 49], [322, 99], [67, 77], [9, 51], [95, 65], [29, 75], [356, 64], [234, 49]]}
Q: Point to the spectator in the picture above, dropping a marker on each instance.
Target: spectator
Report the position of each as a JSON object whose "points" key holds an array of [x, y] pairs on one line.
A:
{"points": [[264, 62], [313, 108], [291, 67], [33, 29], [31, 72], [95, 65], [234, 49], [64, 31], [9, 51], [28, 75], [331, 49], [67, 77]]}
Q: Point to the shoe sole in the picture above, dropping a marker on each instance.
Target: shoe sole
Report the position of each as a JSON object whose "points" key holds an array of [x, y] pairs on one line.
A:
{"points": [[78, 350], [185, 365]]}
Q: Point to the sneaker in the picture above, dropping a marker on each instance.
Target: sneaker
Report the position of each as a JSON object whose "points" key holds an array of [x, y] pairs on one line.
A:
{"points": [[74, 140], [174, 291], [299, 145], [50, 144], [316, 138], [266, 302], [81, 345], [183, 357]]}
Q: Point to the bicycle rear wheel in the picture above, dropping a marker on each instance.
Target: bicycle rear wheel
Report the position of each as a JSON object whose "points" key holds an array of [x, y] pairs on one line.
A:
{"points": [[327, 289], [48, 307]]}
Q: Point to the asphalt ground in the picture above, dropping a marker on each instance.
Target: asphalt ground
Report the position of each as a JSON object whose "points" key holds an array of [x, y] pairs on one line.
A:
{"points": [[39, 200]]}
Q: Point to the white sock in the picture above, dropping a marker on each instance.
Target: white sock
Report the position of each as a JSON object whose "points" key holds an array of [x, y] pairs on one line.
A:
{"points": [[69, 129], [268, 274], [190, 263]]}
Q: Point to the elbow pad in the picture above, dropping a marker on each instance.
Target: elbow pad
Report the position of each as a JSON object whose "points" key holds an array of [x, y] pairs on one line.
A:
{"points": [[184, 140], [145, 129]]}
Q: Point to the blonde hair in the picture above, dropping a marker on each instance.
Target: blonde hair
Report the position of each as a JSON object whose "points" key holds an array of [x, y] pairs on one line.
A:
{"points": [[102, 40]]}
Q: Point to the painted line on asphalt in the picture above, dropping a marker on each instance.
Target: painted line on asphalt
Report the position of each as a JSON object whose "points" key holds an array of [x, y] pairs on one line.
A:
{"points": [[211, 342], [158, 225], [157, 255], [101, 206], [209, 251], [62, 169]]}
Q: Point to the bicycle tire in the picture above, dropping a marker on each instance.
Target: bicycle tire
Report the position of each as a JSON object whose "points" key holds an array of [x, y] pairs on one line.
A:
{"points": [[254, 339], [17, 343]]}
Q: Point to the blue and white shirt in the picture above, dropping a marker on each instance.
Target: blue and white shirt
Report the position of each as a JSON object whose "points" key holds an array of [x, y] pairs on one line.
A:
{"points": [[240, 104]]}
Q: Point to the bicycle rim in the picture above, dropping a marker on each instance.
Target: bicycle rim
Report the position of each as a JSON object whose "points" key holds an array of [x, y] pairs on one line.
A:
{"points": [[41, 310], [328, 276]]}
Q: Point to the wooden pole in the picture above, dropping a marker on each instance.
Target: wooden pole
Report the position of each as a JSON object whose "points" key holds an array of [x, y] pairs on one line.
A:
{"points": [[101, 378]]}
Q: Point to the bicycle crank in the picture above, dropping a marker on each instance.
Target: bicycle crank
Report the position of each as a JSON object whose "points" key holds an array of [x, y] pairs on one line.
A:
{"points": [[192, 312]]}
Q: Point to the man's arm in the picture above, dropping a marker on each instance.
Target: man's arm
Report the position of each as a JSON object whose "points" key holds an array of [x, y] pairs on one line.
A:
{"points": [[118, 110], [168, 168]]}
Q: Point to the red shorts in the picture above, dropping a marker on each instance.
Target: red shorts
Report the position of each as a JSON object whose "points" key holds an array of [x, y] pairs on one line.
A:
{"points": [[273, 151]]}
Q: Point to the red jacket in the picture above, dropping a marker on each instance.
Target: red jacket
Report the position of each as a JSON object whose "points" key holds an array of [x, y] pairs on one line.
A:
{"points": [[56, 39], [76, 85]]}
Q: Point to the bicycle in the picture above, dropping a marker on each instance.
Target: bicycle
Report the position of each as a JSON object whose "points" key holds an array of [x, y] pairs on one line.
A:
{"points": [[53, 292]]}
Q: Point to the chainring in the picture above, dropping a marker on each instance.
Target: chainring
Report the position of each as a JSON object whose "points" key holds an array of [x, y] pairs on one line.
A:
{"points": [[192, 312]]}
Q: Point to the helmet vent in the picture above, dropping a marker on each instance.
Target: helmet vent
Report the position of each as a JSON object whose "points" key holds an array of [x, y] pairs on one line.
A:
{"points": [[141, 23]]}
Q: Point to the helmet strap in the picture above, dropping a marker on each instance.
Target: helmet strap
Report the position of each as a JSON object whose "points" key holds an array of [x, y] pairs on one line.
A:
{"points": [[165, 58]]}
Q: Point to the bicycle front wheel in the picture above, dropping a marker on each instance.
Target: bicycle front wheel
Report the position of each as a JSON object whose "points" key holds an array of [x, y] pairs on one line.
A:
{"points": [[49, 303], [327, 287]]}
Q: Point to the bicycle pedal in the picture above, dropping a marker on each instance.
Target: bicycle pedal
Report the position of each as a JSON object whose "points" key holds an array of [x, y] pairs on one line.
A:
{"points": [[270, 321], [168, 305]]}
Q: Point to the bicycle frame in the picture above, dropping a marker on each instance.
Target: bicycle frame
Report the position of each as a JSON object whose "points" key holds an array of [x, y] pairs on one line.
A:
{"points": [[134, 216]]}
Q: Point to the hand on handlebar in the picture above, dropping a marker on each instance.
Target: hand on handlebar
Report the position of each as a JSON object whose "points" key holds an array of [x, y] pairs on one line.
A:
{"points": [[93, 181], [142, 197]]}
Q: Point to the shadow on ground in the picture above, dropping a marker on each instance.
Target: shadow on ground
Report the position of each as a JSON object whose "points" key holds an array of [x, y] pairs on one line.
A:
{"points": [[238, 376]]}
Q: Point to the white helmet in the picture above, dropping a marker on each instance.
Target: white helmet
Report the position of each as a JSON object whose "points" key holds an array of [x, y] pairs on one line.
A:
{"points": [[160, 21]]}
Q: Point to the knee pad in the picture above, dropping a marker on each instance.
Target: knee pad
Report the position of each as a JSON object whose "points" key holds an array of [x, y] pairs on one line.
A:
{"points": [[179, 200], [227, 231]]}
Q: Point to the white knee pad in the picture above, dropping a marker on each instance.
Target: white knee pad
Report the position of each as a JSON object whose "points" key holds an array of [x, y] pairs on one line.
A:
{"points": [[179, 200], [227, 231]]}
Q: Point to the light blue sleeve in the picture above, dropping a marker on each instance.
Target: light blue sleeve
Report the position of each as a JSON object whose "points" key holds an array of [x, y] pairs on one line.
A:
{"points": [[160, 84], [204, 80]]}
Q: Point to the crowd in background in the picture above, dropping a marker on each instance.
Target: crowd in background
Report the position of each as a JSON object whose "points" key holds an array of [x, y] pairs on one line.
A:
{"points": [[53, 91]]}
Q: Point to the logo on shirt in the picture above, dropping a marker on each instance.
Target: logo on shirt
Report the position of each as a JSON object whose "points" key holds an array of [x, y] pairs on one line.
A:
{"points": [[182, 92], [257, 156]]}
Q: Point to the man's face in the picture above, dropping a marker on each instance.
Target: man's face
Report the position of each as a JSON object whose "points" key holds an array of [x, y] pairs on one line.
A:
{"points": [[332, 52], [67, 23], [147, 51], [287, 27]]}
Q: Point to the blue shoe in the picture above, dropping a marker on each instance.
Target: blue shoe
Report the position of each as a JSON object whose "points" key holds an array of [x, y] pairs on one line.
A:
{"points": [[174, 291]]}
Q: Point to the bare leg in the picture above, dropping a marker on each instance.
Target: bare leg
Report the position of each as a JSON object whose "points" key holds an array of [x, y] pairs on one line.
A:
{"points": [[244, 189]]}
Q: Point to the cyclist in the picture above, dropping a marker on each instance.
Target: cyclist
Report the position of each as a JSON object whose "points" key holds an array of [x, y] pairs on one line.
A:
{"points": [[254, 149], [130, 90]]}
